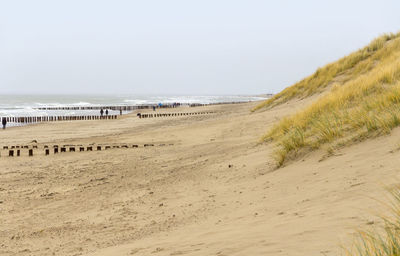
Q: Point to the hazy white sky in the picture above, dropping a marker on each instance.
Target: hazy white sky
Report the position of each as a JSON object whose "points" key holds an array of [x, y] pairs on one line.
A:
{"points": [[179, 47]]}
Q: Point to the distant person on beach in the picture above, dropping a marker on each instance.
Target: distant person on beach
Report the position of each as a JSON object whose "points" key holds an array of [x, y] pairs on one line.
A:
{"points": [[101, 112], [4, 122], [120, 111], [106, 112], [154, 108]]}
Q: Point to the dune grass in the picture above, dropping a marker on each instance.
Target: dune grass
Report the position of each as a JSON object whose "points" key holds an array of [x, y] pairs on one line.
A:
{"points": [[381, 242], [354, 64], [367, 104]]}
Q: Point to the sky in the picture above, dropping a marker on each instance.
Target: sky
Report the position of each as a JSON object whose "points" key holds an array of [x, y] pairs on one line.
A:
{"points": [[186, 47]]}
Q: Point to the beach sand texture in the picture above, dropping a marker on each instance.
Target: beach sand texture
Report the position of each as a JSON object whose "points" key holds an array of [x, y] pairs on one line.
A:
{"points": [[215, 191]]}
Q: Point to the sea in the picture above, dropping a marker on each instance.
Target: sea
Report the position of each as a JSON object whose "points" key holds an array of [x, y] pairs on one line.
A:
{"points": [[28, 105]]}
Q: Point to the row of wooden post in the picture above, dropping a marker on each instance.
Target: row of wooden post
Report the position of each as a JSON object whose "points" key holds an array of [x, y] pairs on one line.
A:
{"points": [[135, 107], [115, 108], [57, 149], [18, 152], [37, 119], [172, 114]]}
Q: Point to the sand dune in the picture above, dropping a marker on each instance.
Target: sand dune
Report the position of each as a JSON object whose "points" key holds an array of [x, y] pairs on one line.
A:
{"points": [[215, 191]]}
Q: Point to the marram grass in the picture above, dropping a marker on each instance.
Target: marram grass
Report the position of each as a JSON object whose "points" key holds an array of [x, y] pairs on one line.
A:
{"points": [[365, 104], [384, 241], [356, 63]]}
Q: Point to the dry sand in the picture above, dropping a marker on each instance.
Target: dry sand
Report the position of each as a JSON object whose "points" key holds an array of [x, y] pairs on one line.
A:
{"points": [[184, 199]]}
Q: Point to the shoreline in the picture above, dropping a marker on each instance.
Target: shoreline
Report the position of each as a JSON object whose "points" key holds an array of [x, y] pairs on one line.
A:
{"points": [[121, 121], [14, 121]]}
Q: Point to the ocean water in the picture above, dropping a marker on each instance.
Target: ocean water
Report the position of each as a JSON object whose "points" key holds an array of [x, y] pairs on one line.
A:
{"points": [[26, 105]]}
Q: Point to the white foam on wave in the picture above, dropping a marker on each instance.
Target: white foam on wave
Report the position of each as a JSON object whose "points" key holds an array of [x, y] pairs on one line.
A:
{"points": [[81, 103], [61, 105], [30, 107], [191, 99], [138, 102]]}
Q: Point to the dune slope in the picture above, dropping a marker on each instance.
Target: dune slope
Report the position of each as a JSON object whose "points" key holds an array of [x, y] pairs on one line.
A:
{"points": [[362, 101]]}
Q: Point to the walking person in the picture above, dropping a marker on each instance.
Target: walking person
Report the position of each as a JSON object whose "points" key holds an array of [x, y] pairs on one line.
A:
{"points": [[4, 122], [101, 112], [106, 112], [120, 111]]}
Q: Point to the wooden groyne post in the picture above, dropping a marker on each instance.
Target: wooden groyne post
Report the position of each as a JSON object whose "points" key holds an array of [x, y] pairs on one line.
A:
{"points": [[38, 119]]}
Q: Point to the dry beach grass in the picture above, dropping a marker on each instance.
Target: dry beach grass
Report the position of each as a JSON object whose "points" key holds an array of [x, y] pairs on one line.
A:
{"points": [[364, 104]]}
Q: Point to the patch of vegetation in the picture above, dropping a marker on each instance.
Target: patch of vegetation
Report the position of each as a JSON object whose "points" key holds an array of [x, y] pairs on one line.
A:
{"points": [[385, 242], [367, 104], [354, 64]]}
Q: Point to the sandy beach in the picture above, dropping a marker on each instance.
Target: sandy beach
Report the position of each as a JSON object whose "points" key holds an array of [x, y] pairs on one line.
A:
{"points": [[206, 187]]}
